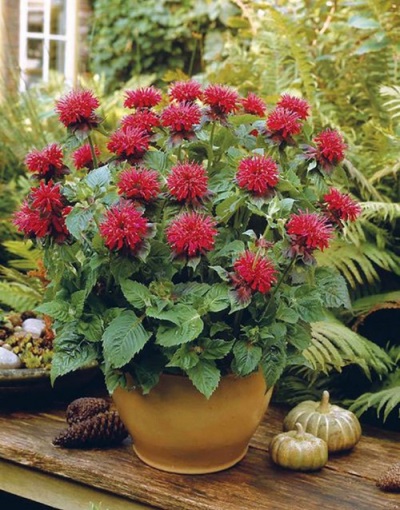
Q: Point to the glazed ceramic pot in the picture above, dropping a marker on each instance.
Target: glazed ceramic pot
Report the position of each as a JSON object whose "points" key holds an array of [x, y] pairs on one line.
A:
{"points": [[176, 429]]}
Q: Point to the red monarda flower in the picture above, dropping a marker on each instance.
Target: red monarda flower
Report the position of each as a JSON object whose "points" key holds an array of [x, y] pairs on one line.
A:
{"points": [[308, 232], [48, 163], [76, 110], [295, 104], [47, 198], [124, 228], [340, 206], [221, 101], [188, 182], [255, 272], [257, 174], [330, 149], [282, 124], [83, 158], [181, 119], [186, 91], [191, 234], [145, 97], [31, 222], [129, 144], [146, 120], [139, 184], [254, 105]]}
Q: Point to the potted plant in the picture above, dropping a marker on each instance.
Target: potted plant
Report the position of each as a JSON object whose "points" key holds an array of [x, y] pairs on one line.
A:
{"points": [[183, 259]]}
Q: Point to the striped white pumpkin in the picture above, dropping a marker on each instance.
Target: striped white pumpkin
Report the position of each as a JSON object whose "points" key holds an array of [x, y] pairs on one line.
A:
{"points": [[339, 427]]}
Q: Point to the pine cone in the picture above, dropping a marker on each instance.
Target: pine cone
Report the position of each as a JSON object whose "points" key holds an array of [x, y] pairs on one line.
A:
{"points": [[390, 479], [84, 408], [104, 429]]}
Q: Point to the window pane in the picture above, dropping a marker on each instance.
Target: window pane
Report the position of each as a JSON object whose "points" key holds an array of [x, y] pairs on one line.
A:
{"points": [[35, 16], [58, 17], [34, 62], [57, 56]]}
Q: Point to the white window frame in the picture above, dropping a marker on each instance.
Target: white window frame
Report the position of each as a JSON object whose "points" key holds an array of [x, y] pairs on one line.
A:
{"points": [[70, 39]]}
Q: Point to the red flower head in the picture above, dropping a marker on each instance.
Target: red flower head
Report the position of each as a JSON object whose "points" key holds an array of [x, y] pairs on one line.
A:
{"points": [[188, 182], [47, 198], [124, 228], [76, 110], [295, 104], [181, 119], [282, 125], [308, 232], [191, 234], [48, 163], [257, 174], [31, 222], [221, 101], [139, 184], [145, 120], [129, 144], [186, 91], [83, 157], [145, 97], [254, 105], [340, 207], [330, 149], [253, 272]]}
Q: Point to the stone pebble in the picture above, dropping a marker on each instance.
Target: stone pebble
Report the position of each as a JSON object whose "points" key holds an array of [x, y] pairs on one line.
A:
{"points": [[8, 359], [33, 326]]}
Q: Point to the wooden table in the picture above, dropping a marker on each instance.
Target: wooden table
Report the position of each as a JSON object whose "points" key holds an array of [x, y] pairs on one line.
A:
{"points": [[70, 479]]}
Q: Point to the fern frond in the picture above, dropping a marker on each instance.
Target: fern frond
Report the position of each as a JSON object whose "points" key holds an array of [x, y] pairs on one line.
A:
{"points": [[365, 304], [387, 171], [358, 263], [366, 188], [28, 256], [334, 346], [380, 210], [19, 297], [393, 105], [385, 401]]}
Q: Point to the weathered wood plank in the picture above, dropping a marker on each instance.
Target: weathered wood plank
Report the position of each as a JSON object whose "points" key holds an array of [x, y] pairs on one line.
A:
{"points": [[347, 483]]}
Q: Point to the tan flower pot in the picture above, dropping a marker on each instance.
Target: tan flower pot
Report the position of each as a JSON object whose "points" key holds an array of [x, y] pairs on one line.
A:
{"points": [[175, 428]]}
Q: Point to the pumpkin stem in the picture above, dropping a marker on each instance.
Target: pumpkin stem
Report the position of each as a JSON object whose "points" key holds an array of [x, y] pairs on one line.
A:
{"points": [[324, 405], [300, 430]]}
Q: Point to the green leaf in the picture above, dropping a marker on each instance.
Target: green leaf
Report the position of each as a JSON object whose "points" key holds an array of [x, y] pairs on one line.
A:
{"points": [[184, 357], [65, 361], [98, 177], [273, 363], [215, 348], [156, 160], [78, 221], [122, 268], [217, 298], [187, 326], [299, 336], [332, 288], [91, 327], [137, 294], [78, 299], [113, 379], [363, 23], [123, 338], [308, 304], [59, 310], [287, 314], [228, 207], [246, 357], [222, 273], [205, 376]]}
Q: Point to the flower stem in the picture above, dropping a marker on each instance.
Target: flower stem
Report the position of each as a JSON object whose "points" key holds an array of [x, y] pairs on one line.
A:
{"points": [[92, 151], [280, 281], [210, 159]]}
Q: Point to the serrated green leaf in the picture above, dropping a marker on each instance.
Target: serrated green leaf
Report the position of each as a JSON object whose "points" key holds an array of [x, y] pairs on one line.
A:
{"points": [[222, 273], [184, 357], [65, 361], [122, 268], [78, 299], [273, 363], [332, 288], [287, 314], [217, 298], [59, 310], [91, 327], [205, 376], [246, 357], [187, 326], [98, 177], [215, 348], [137, 294], [123, 338], [228, 207], [299, 336], [78, 221]]}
